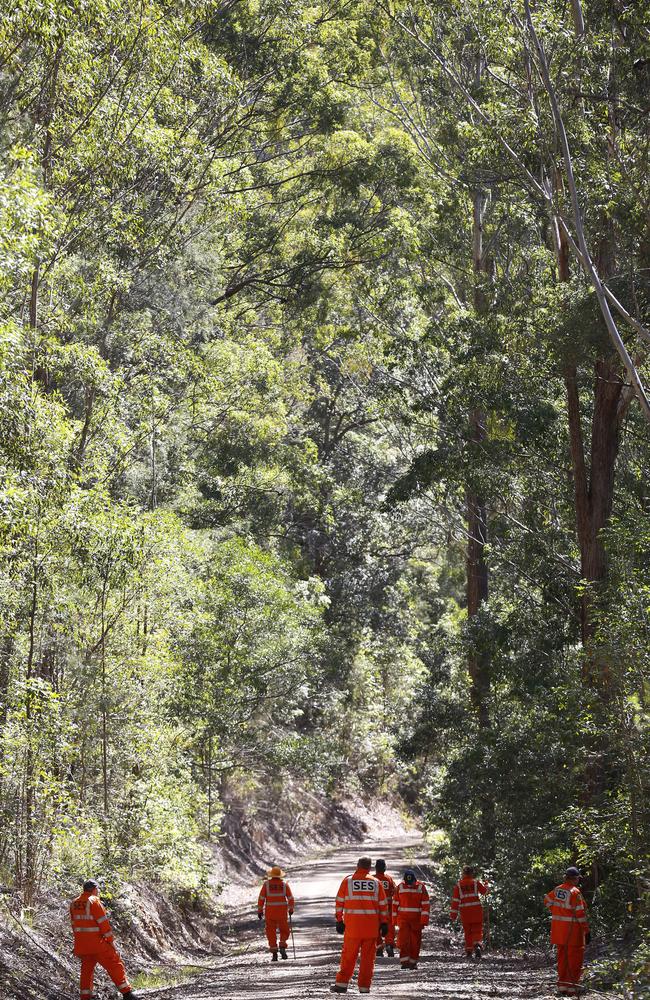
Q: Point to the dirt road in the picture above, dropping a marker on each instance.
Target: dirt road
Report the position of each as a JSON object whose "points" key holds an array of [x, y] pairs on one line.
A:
{"points": [[247, 973]]}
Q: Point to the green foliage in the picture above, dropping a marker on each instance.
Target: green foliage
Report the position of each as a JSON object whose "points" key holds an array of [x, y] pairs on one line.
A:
{"points": [[184, 405], [248, 662], [256, 359]]}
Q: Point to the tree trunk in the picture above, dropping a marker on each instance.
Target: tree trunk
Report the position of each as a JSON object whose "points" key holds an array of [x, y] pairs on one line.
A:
{"points": [[477, 584], [46, 115], [478, 664], [29, 806], [6, 652], [209, 762], [104, 711], [578, 19], [594, 495], [85, 430], [477, 530], [594, 479]]}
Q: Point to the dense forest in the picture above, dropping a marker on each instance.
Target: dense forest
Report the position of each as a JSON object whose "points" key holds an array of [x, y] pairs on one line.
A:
{"points": [[324, 435]]}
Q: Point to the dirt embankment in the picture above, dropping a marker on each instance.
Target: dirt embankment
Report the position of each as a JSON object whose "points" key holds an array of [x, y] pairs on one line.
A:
{"points": [[157, 932], [297, 824]]}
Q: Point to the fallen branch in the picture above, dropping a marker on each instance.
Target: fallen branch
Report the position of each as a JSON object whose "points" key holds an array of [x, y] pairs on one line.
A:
{"points": [[50, 954]]}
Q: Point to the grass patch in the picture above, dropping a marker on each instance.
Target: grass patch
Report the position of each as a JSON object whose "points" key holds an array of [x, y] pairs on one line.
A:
{"points": [[163, 975]]}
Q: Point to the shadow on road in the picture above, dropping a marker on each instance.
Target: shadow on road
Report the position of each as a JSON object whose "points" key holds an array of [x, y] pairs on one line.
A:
{"points": [[443, 972]]}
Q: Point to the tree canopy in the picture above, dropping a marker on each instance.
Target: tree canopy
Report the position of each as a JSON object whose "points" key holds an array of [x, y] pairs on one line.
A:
{"points": [[324, 430]]}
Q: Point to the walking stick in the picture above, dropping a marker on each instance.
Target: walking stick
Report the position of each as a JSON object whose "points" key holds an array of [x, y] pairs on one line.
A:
{"points": [[487, 921], [293, 941]]}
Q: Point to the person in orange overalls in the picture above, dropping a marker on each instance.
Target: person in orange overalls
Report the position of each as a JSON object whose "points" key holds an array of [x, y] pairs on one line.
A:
{"points": [[389, 888], [93, 942], [466, 900], [410, 915], [569, 931], [277, 897], [361, 913]]}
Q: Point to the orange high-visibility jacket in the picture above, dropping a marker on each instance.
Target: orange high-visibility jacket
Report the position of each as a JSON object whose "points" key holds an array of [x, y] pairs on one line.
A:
{"points": [[411, 904], [361, 904], [90, 924], [568, 914], [389, 885], [277, 895], [465, 899]]}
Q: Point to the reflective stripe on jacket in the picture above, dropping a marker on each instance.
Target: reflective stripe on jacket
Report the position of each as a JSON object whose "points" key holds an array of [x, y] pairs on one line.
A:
{"points": [[411, 903], [568, 914], [465, 899], [361, 903], [277, 896], [388, 884], [90, 924], [390, 888]]}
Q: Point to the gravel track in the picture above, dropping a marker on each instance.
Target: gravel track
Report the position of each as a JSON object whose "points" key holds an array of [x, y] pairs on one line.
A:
{"points": [[246, 973]]}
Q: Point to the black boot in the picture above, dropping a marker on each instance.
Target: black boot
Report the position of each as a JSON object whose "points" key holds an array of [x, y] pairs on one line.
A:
{"points": [[274, 956], [380, 952], [478, 952], [130, 995], [390, 951], [283, 952]]}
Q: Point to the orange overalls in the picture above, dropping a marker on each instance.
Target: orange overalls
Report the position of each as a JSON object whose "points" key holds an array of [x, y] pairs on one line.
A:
{"points": [[361, 904], [389, 888], [568, 929], [410, 914], [465, 897], [93, 943], [278, 897]]}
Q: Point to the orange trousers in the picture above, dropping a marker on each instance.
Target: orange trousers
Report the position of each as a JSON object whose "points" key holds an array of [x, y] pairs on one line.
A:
{"points": [[277, 923], [351, 948], [473, 934], [108, 957], [569, 967], [409, 940]]}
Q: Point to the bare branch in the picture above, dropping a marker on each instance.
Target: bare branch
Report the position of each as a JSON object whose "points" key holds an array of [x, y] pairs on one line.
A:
{"points": [[545, 192], [577, 219]]}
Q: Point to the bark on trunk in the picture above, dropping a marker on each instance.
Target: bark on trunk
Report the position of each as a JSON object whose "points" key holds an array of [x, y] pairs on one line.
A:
{"points": [[594, 465], [594, 494], [85, 430], [578, 19], [477, 583], [477, 528], [478, 663], [46, 115]]}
